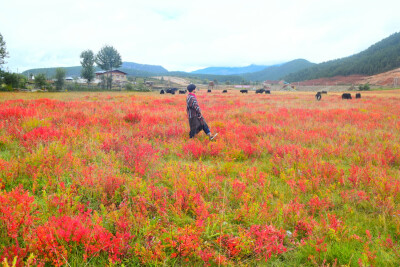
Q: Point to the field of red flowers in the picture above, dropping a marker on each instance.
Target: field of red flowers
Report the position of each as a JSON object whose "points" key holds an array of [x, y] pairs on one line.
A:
{"points": [[95, 179]]}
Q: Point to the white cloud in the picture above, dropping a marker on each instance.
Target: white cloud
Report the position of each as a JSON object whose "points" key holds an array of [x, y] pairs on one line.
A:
{"points": [[185, 35]]}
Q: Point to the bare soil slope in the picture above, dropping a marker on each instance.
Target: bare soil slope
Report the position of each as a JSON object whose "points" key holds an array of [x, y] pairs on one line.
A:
{"points": [[387, 78], [176, 80]]}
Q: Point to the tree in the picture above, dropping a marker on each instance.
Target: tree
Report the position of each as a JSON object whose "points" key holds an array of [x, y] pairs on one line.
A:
{"points": [[3, 50], [364, 87], [60, 78], [107, 59], [15, 80], [87, 63], [40, 80]]}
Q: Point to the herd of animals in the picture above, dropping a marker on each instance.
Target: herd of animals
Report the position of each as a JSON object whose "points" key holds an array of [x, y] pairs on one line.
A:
{"points": [[318, 96], [174, 90]]}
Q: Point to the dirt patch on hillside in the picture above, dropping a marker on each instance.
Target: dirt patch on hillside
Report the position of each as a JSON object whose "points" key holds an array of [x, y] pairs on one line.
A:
{"points": [[389, 78], [175, 80]]}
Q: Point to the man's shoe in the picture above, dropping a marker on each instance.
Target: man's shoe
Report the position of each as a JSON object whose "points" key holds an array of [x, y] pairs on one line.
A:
{"points": [[212, 137]]}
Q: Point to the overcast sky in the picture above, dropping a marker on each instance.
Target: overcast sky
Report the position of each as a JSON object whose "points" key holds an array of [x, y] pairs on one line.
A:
{"points": [[188, 35]]}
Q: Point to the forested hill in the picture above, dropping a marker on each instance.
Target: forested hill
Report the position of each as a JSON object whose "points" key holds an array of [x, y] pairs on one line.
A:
{"points": [[131, 68], [143, 67], [277, 72], [380, 57]]}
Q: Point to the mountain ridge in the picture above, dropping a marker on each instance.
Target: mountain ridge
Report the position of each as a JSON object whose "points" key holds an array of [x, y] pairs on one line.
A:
{"points": [[131, 68], [378, 58], [277, 72], [232, 70]]}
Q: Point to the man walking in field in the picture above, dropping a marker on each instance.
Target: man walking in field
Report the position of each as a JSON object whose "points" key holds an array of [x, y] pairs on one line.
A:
{"points": [[196, 120]]}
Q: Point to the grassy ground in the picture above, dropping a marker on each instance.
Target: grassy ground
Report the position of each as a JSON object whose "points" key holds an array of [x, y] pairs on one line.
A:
{"points": [[112, 178]]}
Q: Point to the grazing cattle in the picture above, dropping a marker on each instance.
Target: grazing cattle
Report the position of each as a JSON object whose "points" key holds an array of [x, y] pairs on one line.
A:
{"points": [[324, 92], [182, 92], [346, 96], [318, 96], [209, 91], [267, 91], [172, 90], [260, 91], [162, 92], [225, 91], [358, 95], [243, 91]]}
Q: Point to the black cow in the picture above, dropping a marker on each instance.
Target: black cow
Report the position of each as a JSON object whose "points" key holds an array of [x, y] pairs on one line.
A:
{"points": [[324, 92], [225, 91], [267, 91], [346, 96], [358, 95], [318, 96], [209, 91], [172, 90], [260, 91], [182, 92], [162, 92], [243, 91]]}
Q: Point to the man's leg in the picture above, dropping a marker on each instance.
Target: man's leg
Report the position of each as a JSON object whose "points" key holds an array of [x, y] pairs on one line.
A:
{"points": [[208, 132], [206, 129], [191, 134]]}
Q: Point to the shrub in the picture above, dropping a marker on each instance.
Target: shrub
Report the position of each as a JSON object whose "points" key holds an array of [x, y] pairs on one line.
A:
{"points": [[364, 87], [6, 88], [129, 87]]}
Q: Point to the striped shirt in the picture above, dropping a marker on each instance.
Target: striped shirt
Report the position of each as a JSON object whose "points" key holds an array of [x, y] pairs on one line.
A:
{"points": [[192, 107]]}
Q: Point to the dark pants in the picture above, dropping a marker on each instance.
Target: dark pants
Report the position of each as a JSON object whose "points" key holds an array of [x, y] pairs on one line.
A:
{"points": [[197, 125]]}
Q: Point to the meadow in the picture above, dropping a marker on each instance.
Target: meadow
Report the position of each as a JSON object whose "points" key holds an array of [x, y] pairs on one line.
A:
{"points": [[111, 179]]}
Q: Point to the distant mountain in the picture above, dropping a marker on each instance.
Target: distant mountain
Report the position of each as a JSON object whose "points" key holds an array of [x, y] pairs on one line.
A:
{"points": [[231, 70], [207, 77], [143, 67], [274, 72], [380, 57], [51, 72], [279, 71], [131, 68]]}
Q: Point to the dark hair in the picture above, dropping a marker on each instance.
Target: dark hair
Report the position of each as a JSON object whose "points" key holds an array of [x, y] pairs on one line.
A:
{"points": [[191, 87]]}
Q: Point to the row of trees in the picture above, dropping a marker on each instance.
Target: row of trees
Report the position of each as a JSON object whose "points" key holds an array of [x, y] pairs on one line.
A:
{"points": [[107, 59]]}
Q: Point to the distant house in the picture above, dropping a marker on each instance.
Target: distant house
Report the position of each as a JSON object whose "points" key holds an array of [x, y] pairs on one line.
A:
{"points": [[270, 82], [69, 79], [119, 77]]}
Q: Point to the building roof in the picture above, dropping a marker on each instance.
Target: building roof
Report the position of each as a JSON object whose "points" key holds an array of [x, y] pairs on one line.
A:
{"points": [[107, 71]]}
